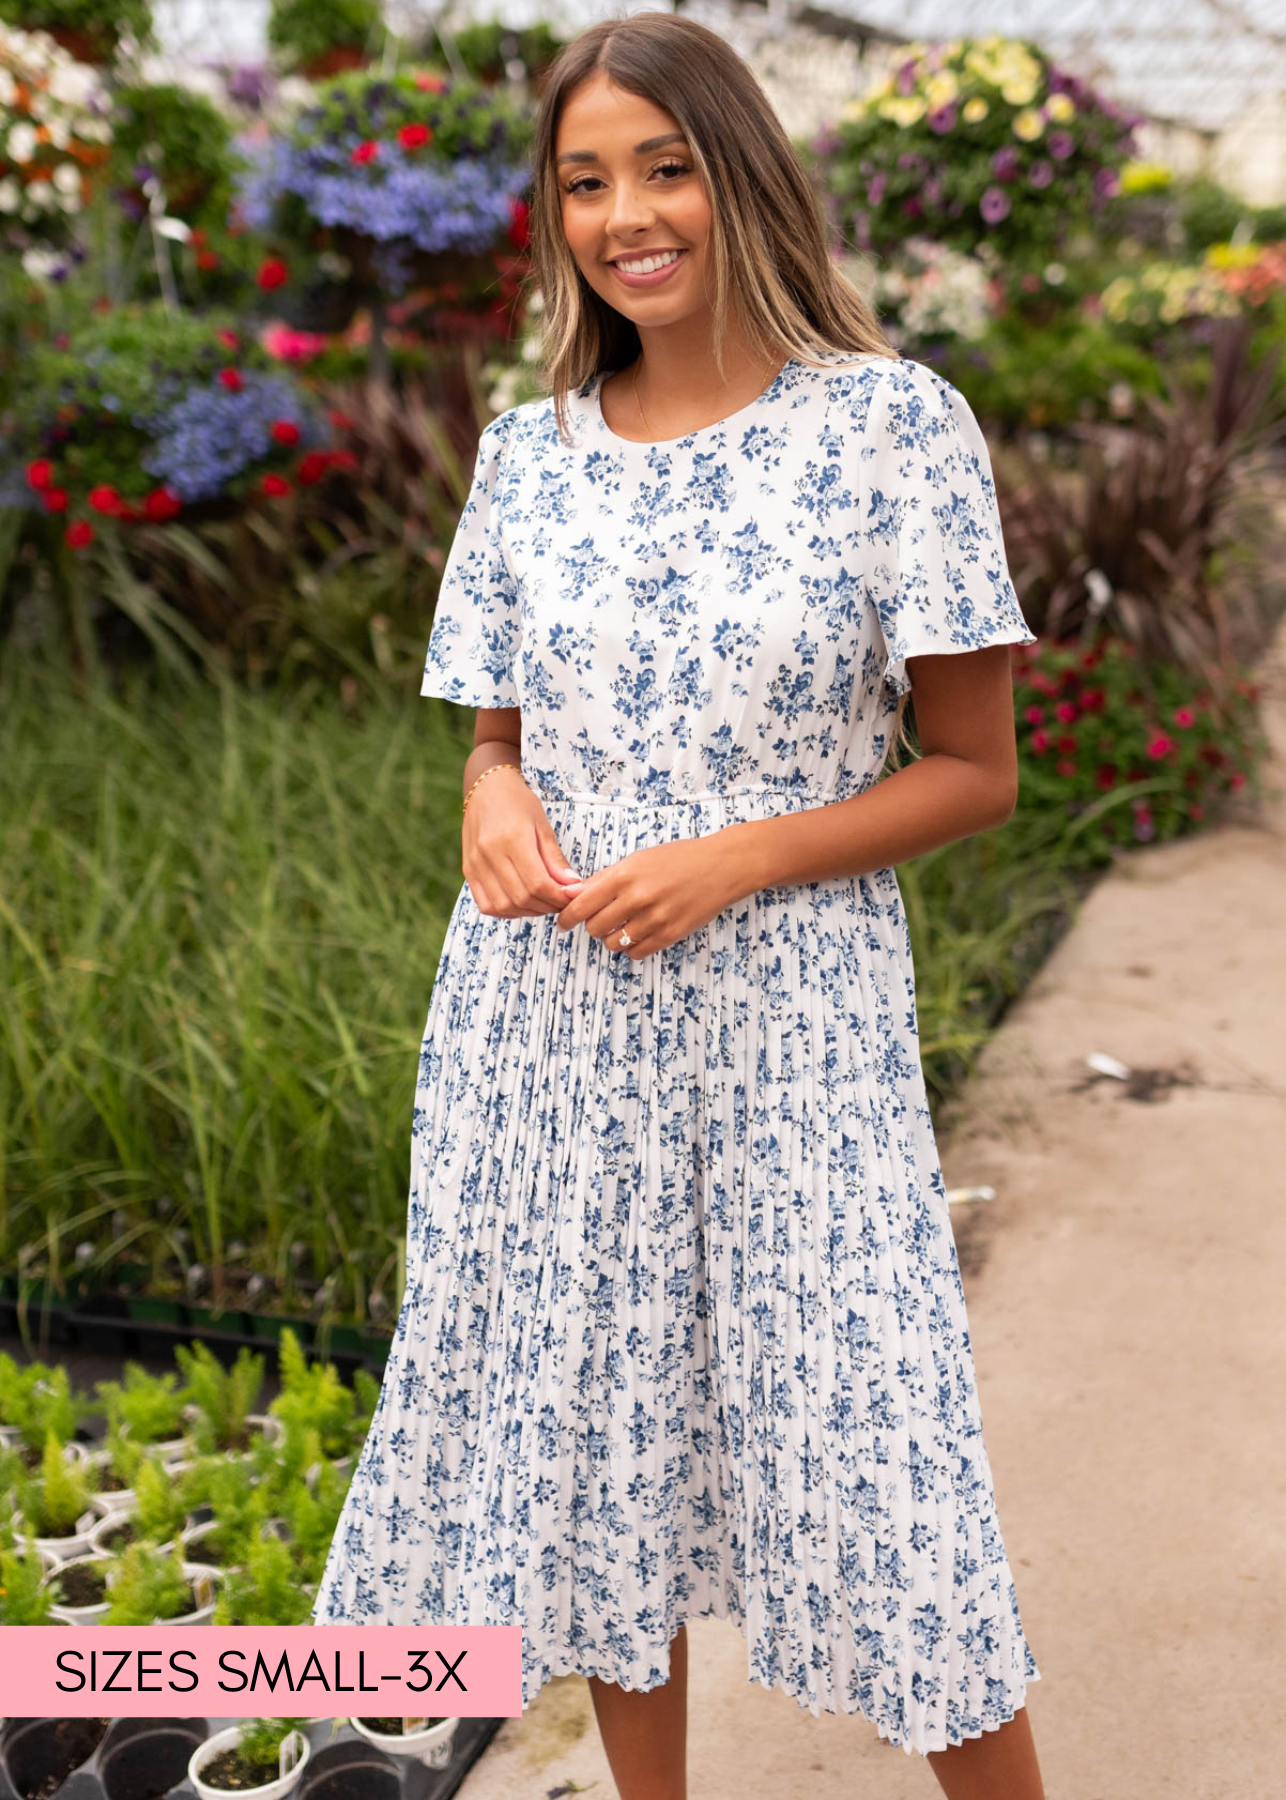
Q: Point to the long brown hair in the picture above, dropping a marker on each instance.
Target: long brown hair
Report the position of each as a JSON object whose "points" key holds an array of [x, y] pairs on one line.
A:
{"points": [[770, 252]]}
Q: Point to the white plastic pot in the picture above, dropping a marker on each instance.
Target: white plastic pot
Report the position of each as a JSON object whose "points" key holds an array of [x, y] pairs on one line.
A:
{"points": [[61, 1549], [76, 1615], [227, 1740], [431, 1747]]}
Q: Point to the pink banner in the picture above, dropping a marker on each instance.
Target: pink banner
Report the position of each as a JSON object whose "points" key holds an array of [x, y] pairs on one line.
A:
{"points": [[261, 1671]]}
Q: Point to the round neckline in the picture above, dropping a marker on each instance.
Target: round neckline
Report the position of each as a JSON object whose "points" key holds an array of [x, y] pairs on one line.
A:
{"points": [[595, 398]]}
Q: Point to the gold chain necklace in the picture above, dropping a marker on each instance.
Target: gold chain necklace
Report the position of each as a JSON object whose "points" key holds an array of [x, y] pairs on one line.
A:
{"points": [[639, 403]]}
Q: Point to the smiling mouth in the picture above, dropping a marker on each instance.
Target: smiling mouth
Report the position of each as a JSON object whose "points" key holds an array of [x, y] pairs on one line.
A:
{"points": [[648, 262]]}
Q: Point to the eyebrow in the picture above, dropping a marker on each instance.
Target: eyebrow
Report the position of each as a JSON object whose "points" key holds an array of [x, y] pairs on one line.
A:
{"points": [[652, 143]]}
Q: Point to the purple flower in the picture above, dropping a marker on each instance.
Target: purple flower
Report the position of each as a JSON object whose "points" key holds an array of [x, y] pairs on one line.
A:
{"points": [[210, 434], [1106, 183], [875, 188], [1004, 163], [906, 77], [994, 205], [1061, 144], [943, 118], [1040, 174]]}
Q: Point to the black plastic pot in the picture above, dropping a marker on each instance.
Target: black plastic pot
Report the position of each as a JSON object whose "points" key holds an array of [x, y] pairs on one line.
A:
{"points": [[39, 1754], [352, 1771], [146, 1763]]}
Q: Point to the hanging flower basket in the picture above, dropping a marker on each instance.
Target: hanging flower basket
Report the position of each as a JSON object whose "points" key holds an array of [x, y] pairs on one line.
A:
{"points": [[334, 61], [95, 49]]}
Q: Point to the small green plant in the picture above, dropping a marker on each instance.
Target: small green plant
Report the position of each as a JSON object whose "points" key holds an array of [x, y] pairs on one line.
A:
{"points": [[124, 1454], [224, 1398], [53, 1503], [160, 1508], [37, 1399], [149, 1407], [23, 1601], [312, 1394], [267, 1591], [311, 1514], [148, 1586], [259, 1748]]}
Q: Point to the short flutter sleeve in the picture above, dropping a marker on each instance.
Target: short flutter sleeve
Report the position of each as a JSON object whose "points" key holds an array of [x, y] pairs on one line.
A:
{"points": [[939, 576], [473, 645]]}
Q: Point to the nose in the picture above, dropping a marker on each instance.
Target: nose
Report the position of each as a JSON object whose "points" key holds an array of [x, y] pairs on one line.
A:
{"points": [[631, 210]]}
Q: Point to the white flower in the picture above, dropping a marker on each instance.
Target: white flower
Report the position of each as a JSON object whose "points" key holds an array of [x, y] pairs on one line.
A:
{"points": [[40, 193], [40, 263], [8, 87], [22, 142], [67, 178], [9, 195]]}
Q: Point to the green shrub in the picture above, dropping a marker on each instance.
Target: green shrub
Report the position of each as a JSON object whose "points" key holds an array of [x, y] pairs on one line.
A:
{"points": [[223, 1397], [23, 1601], [148, 1586], [149, 1406]]}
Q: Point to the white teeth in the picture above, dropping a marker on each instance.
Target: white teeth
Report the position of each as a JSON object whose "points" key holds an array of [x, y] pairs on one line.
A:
{"points": [[648, 263]]}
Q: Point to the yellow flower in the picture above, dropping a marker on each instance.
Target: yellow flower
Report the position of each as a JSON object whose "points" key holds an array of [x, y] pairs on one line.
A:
{"points": [[1060, 107], [902, 109], [1028, 125], [941, 89], [974, 110], [880, 88], [1018, 93]]}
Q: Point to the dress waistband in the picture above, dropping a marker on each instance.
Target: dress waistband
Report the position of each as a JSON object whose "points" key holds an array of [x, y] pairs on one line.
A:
{"points": [[711, 796]]}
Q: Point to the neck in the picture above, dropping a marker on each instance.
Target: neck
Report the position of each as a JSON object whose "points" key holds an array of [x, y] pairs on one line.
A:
{"points": [[676, 370]]}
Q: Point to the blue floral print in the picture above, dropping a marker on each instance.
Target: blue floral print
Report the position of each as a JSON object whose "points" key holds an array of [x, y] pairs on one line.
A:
{"points": [[683, 1329]]}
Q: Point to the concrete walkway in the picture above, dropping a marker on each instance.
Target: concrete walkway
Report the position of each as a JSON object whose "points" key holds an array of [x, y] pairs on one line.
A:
{"points": [[1126, 1303]]}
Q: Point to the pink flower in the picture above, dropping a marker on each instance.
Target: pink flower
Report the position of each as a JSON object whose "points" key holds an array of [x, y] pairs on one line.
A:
{"points": [[1184, 715], [1039, 741], [1066, 768], [1034, 715], [288, 345], [1160, 746], [1066, 710]]}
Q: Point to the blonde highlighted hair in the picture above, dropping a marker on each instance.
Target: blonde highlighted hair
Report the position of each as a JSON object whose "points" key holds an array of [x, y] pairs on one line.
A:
{"points": [[770, 256]]}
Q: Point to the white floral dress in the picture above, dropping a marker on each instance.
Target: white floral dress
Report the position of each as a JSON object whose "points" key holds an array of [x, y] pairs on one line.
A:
{"points": [[683, 1329]]}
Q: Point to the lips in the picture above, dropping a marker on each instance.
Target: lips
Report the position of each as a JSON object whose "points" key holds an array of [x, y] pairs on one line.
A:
{"points": [[653, 277]]}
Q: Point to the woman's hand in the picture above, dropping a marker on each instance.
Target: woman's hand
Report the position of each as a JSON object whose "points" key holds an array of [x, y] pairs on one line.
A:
{"points": [[660, 894], [509, 853]]}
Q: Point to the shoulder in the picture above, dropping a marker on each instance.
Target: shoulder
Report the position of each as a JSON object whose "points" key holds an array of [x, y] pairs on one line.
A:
{"points": [[529, 427], [910, 392]]}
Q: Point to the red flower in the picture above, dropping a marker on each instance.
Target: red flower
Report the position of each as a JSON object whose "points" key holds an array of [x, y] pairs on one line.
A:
{"points": [[274, 486], [430, 84], [231, 379], [79, 533], [104, 499], [1184, 715], [207, 259], [366, 152], [414, 137], [1106, 776], [198, 237], [228, 339], [1066, 768], [54, 499], [1160, 746], [1236, 779], [342, 459], [1067, 744], [40, 473], [161, 504], [273, 273], [1092, 699], [312, 467], [1196, 810], [1066, 711], [519, 224], [1039, 741], [340, 420], [1034, 715], [285, 431]]}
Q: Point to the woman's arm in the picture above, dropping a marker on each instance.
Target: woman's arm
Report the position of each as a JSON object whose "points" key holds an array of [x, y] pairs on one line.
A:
{"points": [[497, 737], [965, 781]]}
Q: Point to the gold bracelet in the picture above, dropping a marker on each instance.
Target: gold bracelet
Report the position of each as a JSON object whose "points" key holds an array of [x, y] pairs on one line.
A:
{"points": [[491, 771]]}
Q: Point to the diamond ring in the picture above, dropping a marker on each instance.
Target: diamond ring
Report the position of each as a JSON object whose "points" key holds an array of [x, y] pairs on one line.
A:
{"points": [[626, 939]]}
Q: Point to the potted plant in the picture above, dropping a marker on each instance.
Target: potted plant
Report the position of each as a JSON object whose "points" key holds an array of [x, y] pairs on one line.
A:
{"points": [[35, 1400], [312, 1394], [267, 1590], [37, 1755], [220, 1415], [153, 1587], [58, 1504], [146, 1408], [427, 1740], [320, 37], [88, 30], [79, 1589], [156, 1510], [24, 1598], [261, 1757], [117, 1464]]}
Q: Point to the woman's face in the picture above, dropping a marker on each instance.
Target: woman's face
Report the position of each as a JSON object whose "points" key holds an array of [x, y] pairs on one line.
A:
{"points": [[630, 190]]}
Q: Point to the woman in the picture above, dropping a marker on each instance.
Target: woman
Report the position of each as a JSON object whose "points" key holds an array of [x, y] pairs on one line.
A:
{"points": [[683, 1329]]}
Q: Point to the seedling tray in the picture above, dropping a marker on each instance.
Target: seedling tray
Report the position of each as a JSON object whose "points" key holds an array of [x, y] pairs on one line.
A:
{"points": [[147, 1759]]}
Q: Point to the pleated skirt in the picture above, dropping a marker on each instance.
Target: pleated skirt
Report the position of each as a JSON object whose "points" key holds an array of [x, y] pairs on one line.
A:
{"points": [[683, 1330]]}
